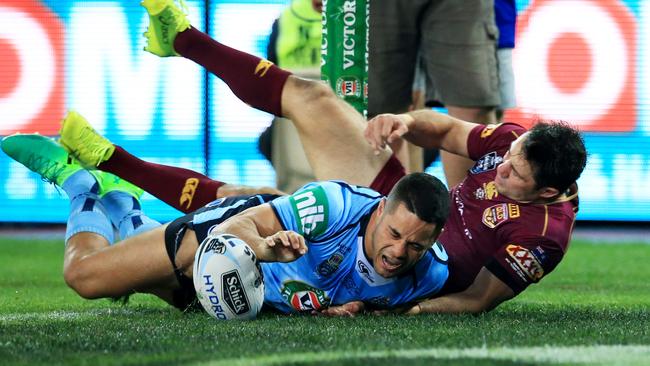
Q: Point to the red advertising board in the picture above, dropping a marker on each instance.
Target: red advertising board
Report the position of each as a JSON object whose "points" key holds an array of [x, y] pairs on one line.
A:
{"points": [[31, 68], [575, 60]]}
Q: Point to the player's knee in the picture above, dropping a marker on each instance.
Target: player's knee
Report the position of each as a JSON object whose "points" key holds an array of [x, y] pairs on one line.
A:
{"points": [[79, 276], [313, 91]]}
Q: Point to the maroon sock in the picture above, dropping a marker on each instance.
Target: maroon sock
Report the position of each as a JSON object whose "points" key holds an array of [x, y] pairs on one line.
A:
{"points": [[183, 189], [255, 81]]}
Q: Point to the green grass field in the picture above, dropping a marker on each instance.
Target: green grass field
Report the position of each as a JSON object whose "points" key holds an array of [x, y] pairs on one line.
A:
{"points": [[594, 309]]}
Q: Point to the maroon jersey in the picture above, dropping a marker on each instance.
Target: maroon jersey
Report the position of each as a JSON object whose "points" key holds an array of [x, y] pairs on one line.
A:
{"points": [[518, 242]]}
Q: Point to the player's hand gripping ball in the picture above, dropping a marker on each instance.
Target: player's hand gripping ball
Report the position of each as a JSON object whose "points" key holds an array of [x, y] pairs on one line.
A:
{"points": [[228, 278]]}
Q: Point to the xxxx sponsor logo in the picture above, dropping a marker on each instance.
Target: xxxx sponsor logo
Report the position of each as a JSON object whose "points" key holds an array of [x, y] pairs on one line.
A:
{"points": [[187, 195], [311, 209], [495, 215], [526, 261], [304, 297]]}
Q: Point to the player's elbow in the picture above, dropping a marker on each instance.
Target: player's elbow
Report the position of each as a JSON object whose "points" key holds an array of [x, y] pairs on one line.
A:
{"points": [[80, 277], [479, 308], [483, 304]]}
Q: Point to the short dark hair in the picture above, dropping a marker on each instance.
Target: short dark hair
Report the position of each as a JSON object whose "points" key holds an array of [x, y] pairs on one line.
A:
{"points": [[556, 152], [424, 195]]}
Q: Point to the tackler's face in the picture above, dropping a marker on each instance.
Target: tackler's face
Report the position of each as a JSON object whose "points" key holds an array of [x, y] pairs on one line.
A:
{"points": [[399, 240], [514, 178]]}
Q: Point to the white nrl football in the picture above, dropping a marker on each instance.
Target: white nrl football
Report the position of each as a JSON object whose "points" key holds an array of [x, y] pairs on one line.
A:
{"points": [[228, 278]]}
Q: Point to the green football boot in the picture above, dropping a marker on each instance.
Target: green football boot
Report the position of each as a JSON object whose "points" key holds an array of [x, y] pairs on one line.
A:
{"points": [[41, 155], [110, 182], [166, 20], [83, 142]]}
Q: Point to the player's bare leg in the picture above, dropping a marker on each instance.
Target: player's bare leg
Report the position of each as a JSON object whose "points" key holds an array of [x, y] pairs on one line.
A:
{"points": [[99, 202], [456, 166], [137, 264], [331, 131]]}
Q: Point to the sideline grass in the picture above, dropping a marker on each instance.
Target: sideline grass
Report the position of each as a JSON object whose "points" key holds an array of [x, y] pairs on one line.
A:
{"points": [[598, 297]]}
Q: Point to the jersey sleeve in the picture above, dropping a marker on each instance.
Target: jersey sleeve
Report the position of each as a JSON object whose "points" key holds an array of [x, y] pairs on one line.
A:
{"points": [[523, 262], [484, 139], [318, 210], [436, 273]]}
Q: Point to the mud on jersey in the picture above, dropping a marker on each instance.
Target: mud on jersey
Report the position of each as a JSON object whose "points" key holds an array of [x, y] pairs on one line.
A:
{"points": [[518, 242], [332, 216]]}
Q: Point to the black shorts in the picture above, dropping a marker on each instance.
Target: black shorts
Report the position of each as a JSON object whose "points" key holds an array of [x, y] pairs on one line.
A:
{"points": [[201, 222], [388, 176]]}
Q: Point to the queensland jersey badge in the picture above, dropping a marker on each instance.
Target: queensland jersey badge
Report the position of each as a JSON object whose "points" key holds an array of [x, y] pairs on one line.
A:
{"points": [[495, 215]]}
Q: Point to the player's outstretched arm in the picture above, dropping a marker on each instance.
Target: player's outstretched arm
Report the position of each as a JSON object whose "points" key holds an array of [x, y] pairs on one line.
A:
{"points": [[484, 294], [425, 128], [260, 228], [348, 310]]}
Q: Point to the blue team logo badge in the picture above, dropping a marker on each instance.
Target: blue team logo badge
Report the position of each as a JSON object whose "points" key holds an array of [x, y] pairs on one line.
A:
{"points": [[486, 163], [327, 267]]}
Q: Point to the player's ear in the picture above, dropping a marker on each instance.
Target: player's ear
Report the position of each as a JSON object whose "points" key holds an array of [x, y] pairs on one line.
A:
{"points": [[381, 207], [548, 192]]}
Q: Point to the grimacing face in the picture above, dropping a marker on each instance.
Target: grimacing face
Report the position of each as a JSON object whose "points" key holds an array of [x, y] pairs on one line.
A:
{"points": [[398, 240], [514, 178]]}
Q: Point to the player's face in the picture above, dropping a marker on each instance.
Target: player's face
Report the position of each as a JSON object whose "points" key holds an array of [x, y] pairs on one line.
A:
{"points": [[398, 241], [514, 177]]}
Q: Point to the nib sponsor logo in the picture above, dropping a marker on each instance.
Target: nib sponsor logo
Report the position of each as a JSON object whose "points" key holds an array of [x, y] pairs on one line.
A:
{"points": [[233, 293], [311, 208]]}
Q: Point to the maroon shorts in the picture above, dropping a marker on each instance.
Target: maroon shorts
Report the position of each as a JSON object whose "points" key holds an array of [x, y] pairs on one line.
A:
{"points": [[388, 176]]}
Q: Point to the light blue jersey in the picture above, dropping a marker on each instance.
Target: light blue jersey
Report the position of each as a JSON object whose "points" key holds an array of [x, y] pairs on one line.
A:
{"points": [[332, 216]]}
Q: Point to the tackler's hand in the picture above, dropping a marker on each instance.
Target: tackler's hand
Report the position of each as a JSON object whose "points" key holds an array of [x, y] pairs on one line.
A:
{"points": [[386, 129]]}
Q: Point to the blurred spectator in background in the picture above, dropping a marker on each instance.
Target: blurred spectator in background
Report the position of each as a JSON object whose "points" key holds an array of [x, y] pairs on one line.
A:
{"points": [[456, 41], [505, 12]]}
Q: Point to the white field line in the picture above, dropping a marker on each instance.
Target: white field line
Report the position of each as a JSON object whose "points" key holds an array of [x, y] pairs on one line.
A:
{"points": [[62, 315], [598, 355]]}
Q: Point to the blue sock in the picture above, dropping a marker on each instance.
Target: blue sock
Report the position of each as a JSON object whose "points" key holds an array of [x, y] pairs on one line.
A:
{"points": [[86, 211], [126, 214]]}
